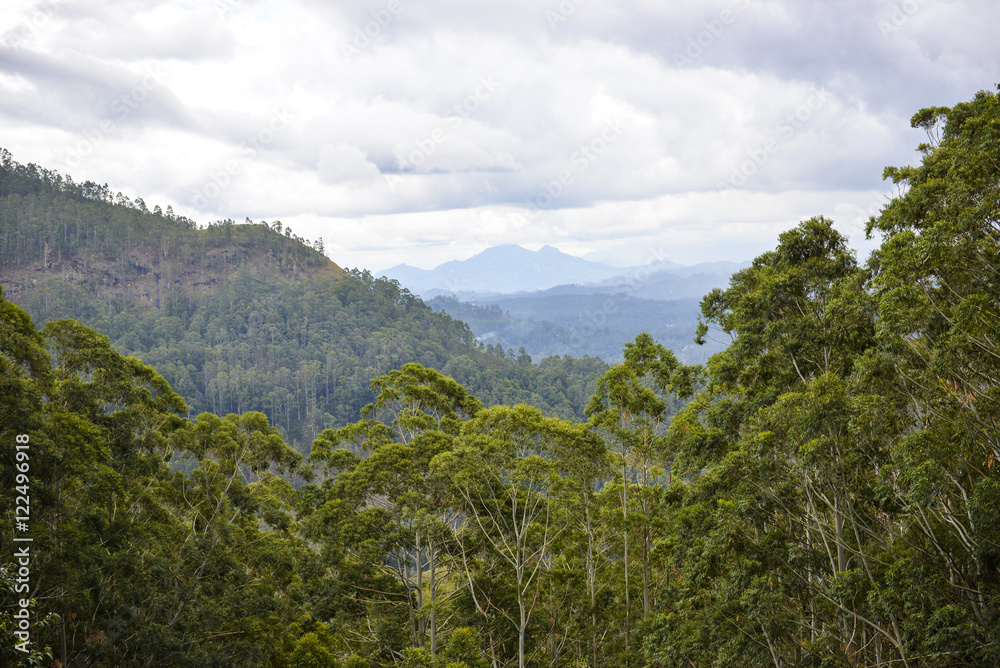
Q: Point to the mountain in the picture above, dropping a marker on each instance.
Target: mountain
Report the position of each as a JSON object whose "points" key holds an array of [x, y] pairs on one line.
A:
{"points": [[502, 269], [243, 317], [510, 269], [596, 318]]}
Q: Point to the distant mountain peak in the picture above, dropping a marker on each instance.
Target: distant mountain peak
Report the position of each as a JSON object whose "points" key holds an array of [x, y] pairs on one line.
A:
{"points": [[511, 268], [506, 268]]}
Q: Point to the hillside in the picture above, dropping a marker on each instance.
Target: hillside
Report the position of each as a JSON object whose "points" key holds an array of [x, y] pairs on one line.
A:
{"points": [[241, 317], [594, 319], [573, 320]]}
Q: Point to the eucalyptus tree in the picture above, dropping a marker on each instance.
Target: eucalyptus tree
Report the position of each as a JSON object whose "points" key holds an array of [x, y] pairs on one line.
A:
{"points": [[937, 280], [585, 463], [506, 476], [798, 313], [25, 378], [416, 415], [630, 409], [768, 447], [145, 565]]}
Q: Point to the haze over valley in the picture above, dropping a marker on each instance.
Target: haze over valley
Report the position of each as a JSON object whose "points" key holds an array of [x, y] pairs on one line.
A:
{"points": [[552, 303]]}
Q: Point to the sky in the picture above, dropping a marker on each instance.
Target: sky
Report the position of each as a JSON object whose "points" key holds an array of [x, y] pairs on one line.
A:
{"points": [[422, 132]]}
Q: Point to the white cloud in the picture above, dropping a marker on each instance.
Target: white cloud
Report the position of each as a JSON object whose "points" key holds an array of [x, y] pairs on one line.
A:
{"points": [[342, 162], [426, 131]]}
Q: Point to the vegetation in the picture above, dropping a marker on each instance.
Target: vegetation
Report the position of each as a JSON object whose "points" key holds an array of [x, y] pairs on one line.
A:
{"points": [[575, 321], [243, 317], [824, 493]]}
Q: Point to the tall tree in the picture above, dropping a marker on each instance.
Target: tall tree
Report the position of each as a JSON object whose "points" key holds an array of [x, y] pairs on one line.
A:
{"points": [[416, 415], [937, 281], [630, 407], [505, 477]]}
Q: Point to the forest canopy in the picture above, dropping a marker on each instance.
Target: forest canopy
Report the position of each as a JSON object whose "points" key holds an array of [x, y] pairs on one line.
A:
{"points": [[826, 492]]}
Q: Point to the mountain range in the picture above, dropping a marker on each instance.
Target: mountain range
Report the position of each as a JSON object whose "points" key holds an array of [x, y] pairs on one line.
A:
{"points": [[553, 303], [502, 269], [510, 268]]}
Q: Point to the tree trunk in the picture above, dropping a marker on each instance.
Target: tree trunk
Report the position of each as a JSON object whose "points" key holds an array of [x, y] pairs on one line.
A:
{"points": [[628, 620], [421, 623]]}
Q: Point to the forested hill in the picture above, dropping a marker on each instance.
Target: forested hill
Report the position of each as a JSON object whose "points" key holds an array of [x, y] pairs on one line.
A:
{"points": [[242, 317]]}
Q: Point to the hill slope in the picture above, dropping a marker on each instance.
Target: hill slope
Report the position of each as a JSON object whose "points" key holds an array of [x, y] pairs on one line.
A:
{"points": [[241, 317]]}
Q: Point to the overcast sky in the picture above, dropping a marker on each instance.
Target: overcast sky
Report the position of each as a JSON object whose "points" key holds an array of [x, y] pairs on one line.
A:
{"points": [[420, 132]]}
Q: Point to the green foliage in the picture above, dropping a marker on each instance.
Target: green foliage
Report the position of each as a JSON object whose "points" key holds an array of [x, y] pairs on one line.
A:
{"points": [[141, 565], [240, 317], [839, 468], [828, 497], [31, 654], [311, 651], [463, 651]]}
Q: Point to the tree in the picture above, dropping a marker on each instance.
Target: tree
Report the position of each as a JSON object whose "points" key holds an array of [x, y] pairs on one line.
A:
{"points": [[505, 477], [779, 475], [416, 415], [935, 277], [629, 407], [145, 565]]}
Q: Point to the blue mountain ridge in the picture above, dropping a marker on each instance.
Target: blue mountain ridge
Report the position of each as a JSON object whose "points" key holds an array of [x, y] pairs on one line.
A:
{"points": [[510, 269]]}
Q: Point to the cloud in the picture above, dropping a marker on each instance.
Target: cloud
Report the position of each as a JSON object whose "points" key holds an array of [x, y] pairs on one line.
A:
{"points": [[339, 163], [439, 127]]}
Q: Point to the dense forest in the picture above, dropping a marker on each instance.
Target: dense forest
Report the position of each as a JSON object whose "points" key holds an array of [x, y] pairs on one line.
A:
{"points": [[244, 317], [825, 492]]}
